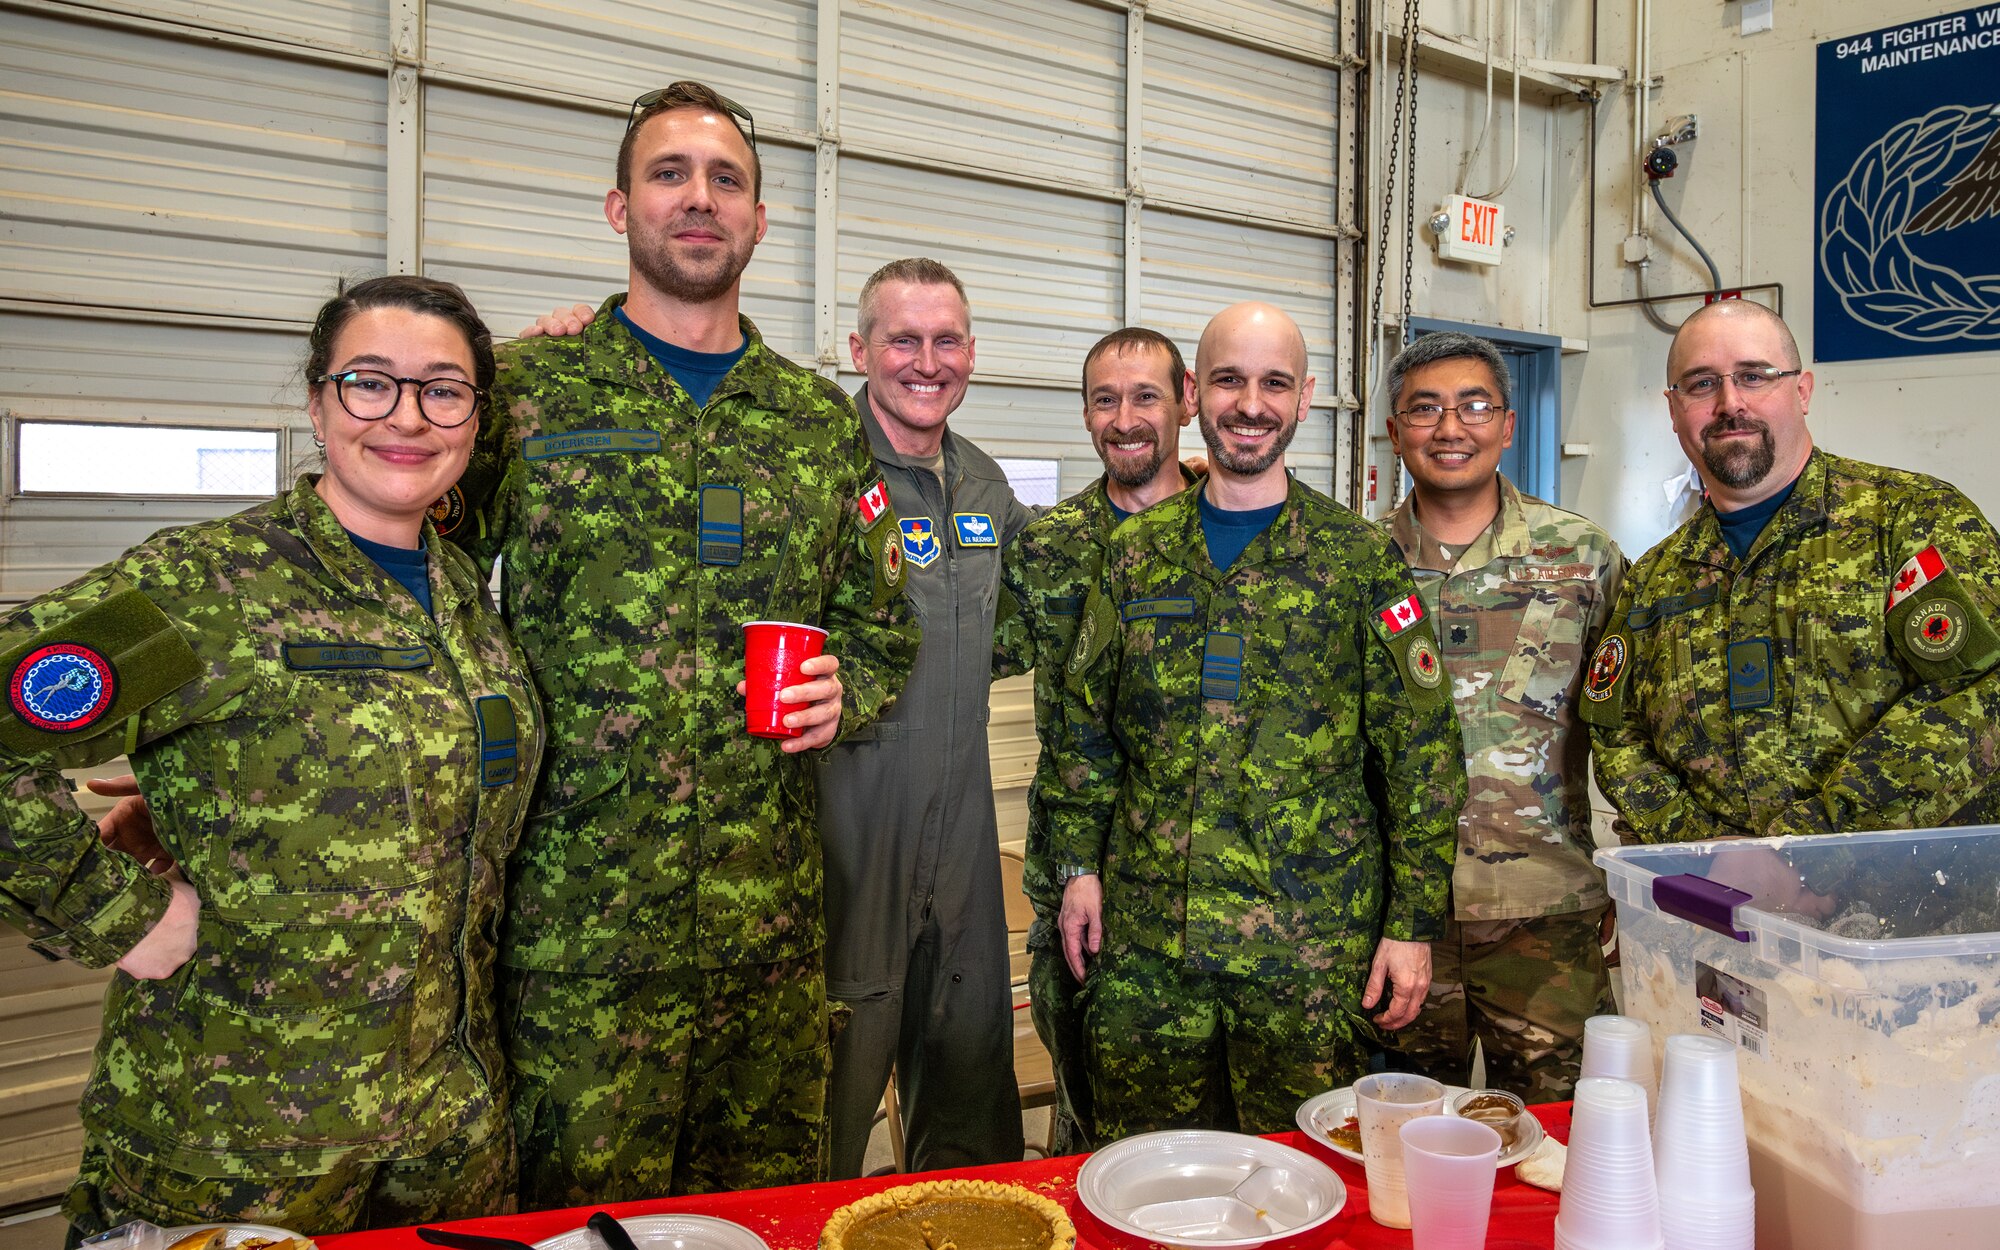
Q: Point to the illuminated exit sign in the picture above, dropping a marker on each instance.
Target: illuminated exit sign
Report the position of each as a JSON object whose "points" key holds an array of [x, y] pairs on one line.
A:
{"points": [[1473, 230]]}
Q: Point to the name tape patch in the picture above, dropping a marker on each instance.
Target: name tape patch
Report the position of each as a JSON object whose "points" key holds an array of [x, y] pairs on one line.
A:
{"points": [[588, 442], [321, 656]]}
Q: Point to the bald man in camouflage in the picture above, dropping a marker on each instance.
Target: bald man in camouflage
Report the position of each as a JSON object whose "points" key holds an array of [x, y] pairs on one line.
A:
{"points": [[1263, 774], [1813, 652]]}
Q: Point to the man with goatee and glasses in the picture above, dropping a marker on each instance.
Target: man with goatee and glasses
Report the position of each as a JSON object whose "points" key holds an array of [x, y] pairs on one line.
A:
{"points": [[1813, 652]]}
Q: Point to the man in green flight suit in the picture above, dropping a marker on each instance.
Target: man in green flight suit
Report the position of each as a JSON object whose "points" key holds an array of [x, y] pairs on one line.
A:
{"points": [[1262, 776], [650, 485], [1137, 394], [1813, 652], [1518, 590]]}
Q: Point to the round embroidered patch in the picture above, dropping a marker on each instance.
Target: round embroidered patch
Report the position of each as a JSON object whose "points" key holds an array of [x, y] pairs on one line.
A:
{"points": [[448, 511], [1424, 667], [1936, 630], [892, 559], [1605, 668], [1086, 638], [63, 687]]}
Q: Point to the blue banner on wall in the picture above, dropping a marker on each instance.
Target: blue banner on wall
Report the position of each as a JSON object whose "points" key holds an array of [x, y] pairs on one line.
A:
{"points": [[1908, 188]]}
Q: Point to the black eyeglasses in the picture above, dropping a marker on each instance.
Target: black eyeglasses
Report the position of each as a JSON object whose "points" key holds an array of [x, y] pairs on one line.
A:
{"points": [[663, 94], [1704, 387], [368, 395], [1471, 412]]}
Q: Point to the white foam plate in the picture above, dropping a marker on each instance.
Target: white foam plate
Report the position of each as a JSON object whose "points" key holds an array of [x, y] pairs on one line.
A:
{"points": [[232, 1234], [1319, 1115], [667, 1232], [1194, 1188]]}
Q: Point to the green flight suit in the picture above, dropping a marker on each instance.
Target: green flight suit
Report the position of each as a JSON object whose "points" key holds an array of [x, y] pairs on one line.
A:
{"points": [[672, 865], [341, 777], [1835, 679], [1264, 767], [1045, 577]]}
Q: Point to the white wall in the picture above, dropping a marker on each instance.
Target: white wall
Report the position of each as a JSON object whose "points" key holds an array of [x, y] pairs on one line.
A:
{"points": [[1755, 98]]}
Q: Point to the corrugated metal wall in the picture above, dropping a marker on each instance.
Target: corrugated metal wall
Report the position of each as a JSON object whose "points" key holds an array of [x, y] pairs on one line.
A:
{"points": [[186, 180]]}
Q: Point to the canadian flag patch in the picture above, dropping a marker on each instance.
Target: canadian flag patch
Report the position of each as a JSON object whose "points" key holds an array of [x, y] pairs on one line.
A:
{"points": [[1400, 616], [1918, 571], [873, 503]]}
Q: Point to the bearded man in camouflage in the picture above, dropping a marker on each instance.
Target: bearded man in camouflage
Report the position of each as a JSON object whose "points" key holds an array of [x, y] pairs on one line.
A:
{"points": [[650, 485], [1263, 775], [1518, 591], [1813, 652], [1137, 395]]}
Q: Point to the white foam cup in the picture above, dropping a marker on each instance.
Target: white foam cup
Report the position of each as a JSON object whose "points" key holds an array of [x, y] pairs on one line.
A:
{"points": [[1610, 1196], [1621, 1047], [1701, 1157], [1448, 1169], [1383, 1103]]}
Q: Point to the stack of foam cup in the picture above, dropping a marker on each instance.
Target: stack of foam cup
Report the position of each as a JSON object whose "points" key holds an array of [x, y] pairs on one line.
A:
{"points": [[1621, 1047], [1699, 1151], [1610, 1196]]}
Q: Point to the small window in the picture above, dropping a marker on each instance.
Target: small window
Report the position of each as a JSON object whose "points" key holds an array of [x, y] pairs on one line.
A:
{"points": [[71, 458], [1037, 483]]}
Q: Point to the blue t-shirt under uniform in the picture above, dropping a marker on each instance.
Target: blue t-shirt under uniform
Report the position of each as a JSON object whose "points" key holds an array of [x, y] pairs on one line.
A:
{"points": [[699, 373], [1740, 528], [1228, 533], [410, 566]]}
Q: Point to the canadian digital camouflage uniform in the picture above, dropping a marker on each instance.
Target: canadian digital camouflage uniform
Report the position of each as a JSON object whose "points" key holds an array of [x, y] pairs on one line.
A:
{"points": [[1044, 579], [1519, 968], [341, 777], [672, 864], [1844, 675], [1264, 768]]}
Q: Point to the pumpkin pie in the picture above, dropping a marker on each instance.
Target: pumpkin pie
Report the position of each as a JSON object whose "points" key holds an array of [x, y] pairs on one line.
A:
{"points": [[950, 1215]]}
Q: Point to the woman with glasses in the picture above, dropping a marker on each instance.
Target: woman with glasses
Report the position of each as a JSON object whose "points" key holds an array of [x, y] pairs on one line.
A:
{"points": [[335, 738]]}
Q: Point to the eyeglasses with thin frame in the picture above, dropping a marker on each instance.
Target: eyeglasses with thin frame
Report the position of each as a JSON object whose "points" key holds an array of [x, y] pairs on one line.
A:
{"points": [[1471, 412], [1705, 388], [370, 395], [655, 96]]}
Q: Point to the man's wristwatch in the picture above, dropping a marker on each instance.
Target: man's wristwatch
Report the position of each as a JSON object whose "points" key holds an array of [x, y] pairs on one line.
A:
{"points": [[1071, 872]]}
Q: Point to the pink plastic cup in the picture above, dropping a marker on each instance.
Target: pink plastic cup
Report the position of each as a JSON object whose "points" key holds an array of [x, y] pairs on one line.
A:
{"points": [[772, 653], [1448, 1168]]}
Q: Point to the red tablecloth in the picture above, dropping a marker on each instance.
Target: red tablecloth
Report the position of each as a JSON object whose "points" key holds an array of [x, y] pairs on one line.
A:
{"points": [[790, 1219]]}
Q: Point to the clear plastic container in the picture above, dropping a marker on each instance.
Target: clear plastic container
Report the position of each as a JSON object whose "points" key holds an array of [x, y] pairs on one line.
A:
{"points": [[1867, 1021]]}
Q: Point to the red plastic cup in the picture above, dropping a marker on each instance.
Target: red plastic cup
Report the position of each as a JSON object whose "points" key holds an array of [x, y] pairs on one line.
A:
{"points": [[772, 653]]}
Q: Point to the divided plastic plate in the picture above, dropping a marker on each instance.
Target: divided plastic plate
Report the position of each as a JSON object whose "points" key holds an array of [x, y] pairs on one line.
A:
{"points": [[1208, 1190]]}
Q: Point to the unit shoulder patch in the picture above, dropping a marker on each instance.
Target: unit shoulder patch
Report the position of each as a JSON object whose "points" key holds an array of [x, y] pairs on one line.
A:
{"points": [[1604, 682], [62, 687], [448, 513], [1426, 669], [97, 667]]}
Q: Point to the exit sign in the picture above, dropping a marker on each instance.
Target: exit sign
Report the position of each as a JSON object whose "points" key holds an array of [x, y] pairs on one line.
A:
{"points": [[1472, 230]]}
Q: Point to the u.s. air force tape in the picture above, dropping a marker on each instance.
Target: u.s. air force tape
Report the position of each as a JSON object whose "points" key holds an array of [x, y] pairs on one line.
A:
{"points": [[102, 665]]}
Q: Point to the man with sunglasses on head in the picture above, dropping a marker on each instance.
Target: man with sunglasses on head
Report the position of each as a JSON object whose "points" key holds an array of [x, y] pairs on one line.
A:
{"points": [[649, 486], [1518, 589], [1813, 652]]}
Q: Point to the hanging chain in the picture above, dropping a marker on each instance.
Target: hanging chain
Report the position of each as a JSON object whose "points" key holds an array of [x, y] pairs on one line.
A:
{"points": [[1395, 145], [1410, 165]]}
